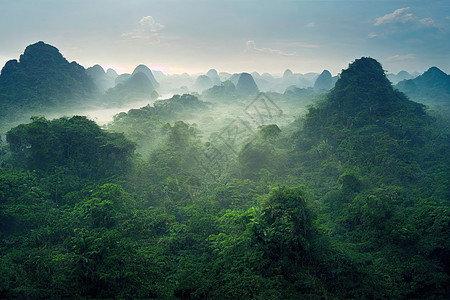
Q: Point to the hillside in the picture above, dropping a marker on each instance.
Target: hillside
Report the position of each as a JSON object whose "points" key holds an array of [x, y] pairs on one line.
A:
{"points": [[137, 87], [367, 118], [43, 78], [432, 87]]}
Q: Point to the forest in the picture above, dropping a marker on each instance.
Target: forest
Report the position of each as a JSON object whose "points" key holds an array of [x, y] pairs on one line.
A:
{"points": [[232, 193]]}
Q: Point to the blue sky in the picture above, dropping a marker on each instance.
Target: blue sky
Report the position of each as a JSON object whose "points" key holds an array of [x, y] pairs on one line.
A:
{"points": [[266, 36]]}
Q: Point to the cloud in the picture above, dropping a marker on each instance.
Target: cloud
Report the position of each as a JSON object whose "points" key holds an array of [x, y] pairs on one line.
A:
{"points": [[402, 16], [148, 29], [373, 34], [399, 15], [428, 22], [148, 23], [399, 58], [402, 21], [251, 48], [310, 24]]}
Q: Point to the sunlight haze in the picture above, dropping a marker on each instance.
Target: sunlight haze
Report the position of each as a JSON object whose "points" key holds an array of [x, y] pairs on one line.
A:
{"points": [[232, 36]]}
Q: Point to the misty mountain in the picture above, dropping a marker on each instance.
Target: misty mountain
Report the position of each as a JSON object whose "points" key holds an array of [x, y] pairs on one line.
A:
{"points": [[263, 84], [175, 83], [96, 71], [224, 76], [226, 90], [267, 76], [137, 87], [396, 78], [111, 73], [41, 78], [324, 82], [289, 78], [246, 86], [214, 76], [103, 80], [433, 86], [159, 75], [235, 78], [145, 70], [255, 75], [287, 74], [122, 78], [294, 90], [203, 82]]}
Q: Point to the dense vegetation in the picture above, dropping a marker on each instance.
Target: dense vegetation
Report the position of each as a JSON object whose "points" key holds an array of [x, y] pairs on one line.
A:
{"points": [[349, 201], [42, 78]]}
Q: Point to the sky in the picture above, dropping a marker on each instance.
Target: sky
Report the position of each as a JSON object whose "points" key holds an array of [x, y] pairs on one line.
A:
{"points": [[193, 36]]}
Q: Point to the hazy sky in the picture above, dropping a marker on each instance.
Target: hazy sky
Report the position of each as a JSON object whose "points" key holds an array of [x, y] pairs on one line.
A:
{"points": [[266, 36]]}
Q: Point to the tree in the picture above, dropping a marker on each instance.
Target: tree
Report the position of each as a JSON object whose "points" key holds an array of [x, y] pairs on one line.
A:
{"points": [[75, 143]]}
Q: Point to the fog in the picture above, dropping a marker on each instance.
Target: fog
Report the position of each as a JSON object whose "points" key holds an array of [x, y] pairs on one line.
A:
{"points": [[224, 149], [220, 185]]}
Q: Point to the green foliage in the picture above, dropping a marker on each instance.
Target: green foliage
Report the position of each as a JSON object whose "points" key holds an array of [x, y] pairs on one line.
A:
{"points": [[75, 143], [349, 202], [284, 228], [147, 126]]}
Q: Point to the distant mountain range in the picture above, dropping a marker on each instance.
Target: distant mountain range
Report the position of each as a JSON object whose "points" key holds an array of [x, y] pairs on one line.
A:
{"points": [[402, 75], [325, 81], [145, 70], [103, 80], [137, 87], [246, 85], [42, 78], [431, 87]]}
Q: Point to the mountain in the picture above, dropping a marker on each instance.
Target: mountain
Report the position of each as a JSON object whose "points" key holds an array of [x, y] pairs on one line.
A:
{"points": [[267, 76], [234, 78], [41, 78], [226, 90], [246, 86], [203, 82], [103, 80], [96, 71], [363, 95], [122, 78], [255, 75], [159, 75], [431, 87], [111, 73], [294, 90], [224, 76], [324, 82], [144, 69], [402, 75], [365, 122], [214, 76], [289, 79], [137, 87], [212, 73], [288, 74]]}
